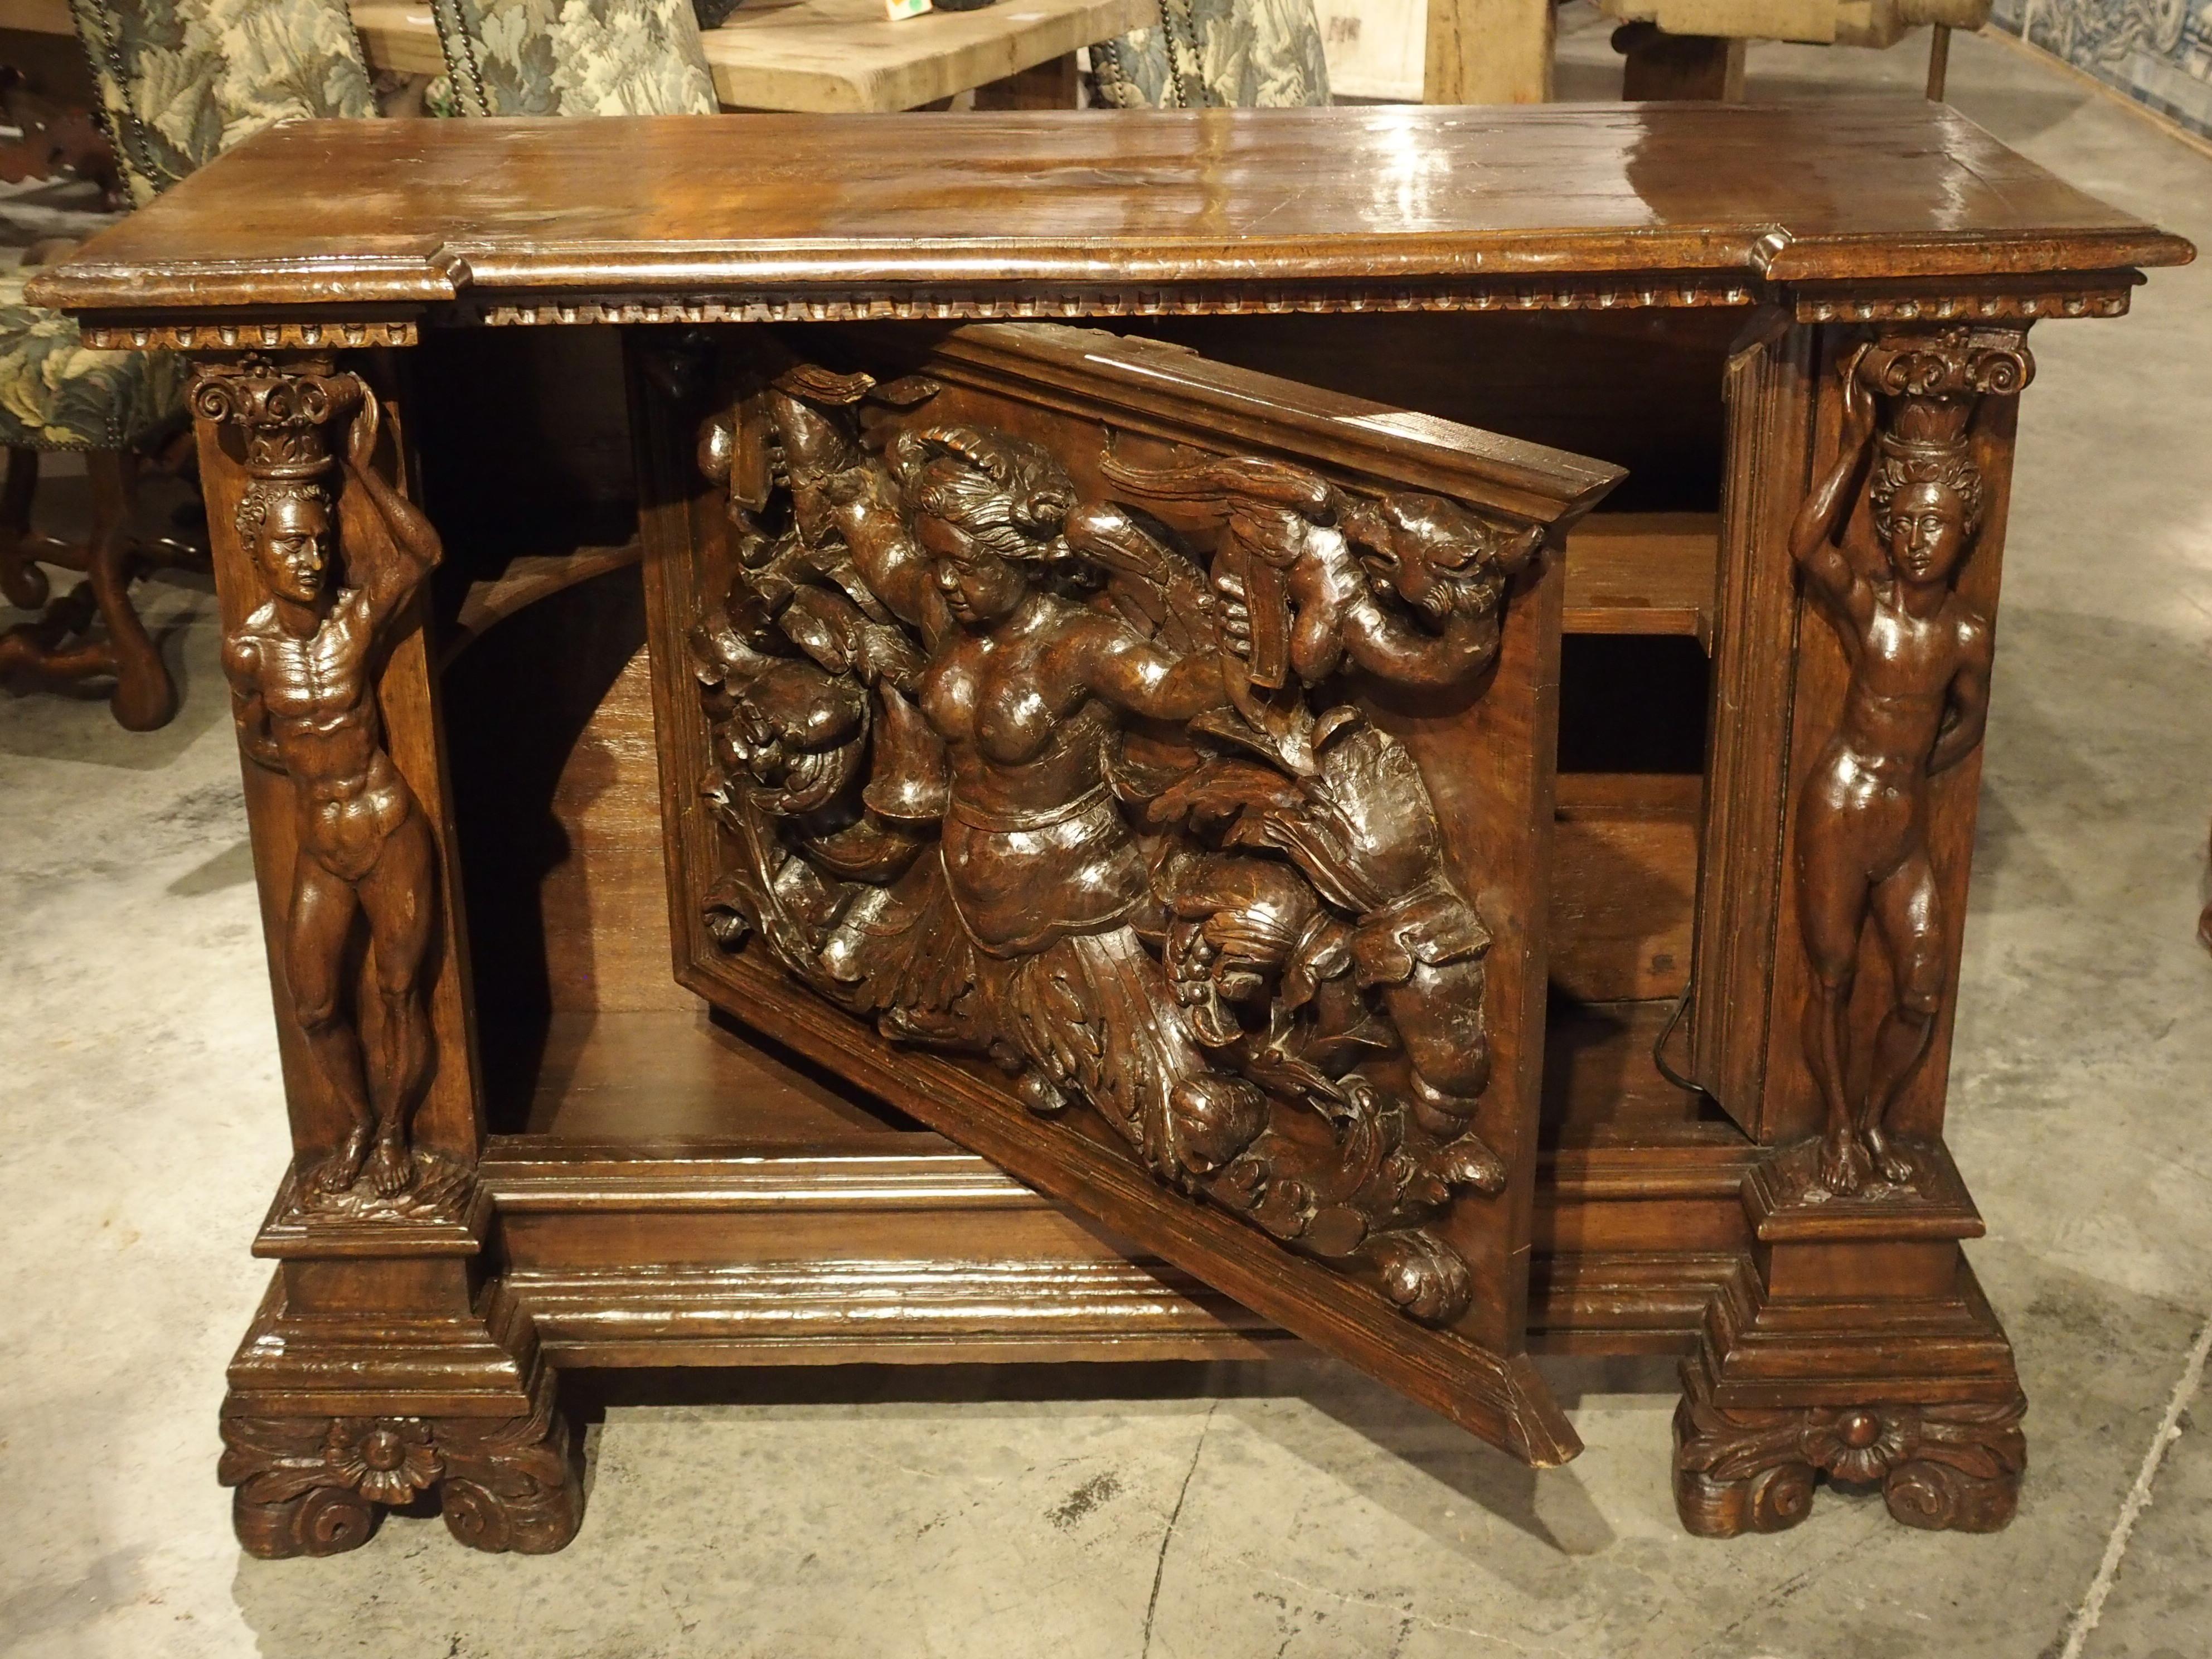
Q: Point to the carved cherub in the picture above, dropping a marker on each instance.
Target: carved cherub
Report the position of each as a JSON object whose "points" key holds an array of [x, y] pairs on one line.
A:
{"points": [[1915, 706], [301, 670]]}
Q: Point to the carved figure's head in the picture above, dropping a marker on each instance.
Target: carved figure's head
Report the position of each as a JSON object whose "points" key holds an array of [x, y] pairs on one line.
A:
{"points": [[1926, 500], [287, 524], [1435, 555], [989, 508]]}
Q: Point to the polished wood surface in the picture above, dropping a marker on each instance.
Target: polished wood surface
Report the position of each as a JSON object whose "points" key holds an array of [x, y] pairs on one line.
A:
{"points": [[1677, 290], [422, 212], [1379, 1212]]}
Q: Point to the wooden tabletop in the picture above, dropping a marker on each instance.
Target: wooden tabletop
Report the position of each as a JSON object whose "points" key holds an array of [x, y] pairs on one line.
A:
{"points": [[819, 56], [1007, 204]]}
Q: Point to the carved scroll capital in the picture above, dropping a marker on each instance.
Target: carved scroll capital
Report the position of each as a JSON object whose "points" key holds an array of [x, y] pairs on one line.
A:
{"points": [[1955, 361], [282, 410]]}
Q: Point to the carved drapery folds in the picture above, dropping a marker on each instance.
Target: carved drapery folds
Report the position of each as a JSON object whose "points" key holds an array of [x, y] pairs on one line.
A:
{"points": [[1022, 773], [1918, 654], [337, 554]]}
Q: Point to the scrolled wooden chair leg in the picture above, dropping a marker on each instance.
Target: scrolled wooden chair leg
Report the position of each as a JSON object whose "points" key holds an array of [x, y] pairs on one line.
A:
{"points": [[21, 579], [144, 697]]}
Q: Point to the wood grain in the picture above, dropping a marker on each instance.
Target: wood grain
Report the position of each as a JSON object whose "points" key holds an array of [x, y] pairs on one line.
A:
{"points": [[1231, 200]]}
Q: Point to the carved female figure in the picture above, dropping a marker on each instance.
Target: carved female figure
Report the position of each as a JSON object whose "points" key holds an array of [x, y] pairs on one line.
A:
{"points": [[1045, 873], [1915, 706]]}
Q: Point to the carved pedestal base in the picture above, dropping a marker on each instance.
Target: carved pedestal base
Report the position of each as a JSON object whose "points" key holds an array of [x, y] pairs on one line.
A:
{"points": [[317, 1485], [1859, 1348], [378, 1375], [1940, 1466]]}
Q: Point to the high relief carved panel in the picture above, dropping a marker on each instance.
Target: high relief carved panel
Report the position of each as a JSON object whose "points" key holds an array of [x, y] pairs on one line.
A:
{"points": [[1016, 771]]}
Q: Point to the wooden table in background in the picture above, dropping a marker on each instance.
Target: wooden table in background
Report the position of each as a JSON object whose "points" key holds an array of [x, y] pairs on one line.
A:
{"points": [[808, 55]]}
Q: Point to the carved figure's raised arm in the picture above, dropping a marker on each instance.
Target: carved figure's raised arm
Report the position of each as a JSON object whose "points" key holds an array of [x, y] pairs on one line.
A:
{"points": [[1813, 541], [390, 545], [1132, 672]]}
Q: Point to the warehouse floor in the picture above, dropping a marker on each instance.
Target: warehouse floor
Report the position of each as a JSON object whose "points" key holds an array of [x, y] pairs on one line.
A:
{"points": [[1223, 1511]]}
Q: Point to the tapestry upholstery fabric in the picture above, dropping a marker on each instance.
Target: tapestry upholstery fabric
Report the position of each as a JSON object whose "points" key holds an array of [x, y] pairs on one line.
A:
{"points": [[574, 57], [180, 79], [1244, 54], [2157, 51], [55, 394]]}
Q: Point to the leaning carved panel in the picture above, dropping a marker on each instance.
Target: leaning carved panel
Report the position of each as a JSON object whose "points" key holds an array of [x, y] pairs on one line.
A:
{"points": [[1013, 769]]}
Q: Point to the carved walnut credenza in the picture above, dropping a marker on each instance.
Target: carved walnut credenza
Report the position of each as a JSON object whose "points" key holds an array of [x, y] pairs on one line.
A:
{"points": [[1354, 727]]}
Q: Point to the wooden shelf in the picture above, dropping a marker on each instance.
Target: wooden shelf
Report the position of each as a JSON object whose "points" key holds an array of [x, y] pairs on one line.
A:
{"points": [[1643, 573], [660, 1079]]}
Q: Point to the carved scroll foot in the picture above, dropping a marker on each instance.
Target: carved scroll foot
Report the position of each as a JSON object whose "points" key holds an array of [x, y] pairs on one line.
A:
{"points": [[320, 1486], [512, 1486], [1955, 1466]]}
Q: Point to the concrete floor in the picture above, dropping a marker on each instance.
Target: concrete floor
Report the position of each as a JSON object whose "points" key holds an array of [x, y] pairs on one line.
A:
{"points": [[1297, 1510]]}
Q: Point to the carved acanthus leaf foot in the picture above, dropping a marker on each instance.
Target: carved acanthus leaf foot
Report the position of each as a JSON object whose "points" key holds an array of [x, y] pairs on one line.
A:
{"points": [[320, 1486], [1955, 1465]]}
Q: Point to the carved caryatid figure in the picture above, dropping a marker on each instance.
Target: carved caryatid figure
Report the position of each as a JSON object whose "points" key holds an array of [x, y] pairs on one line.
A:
{"points": [[302, 671], [1011, 771], [1914, 706]]}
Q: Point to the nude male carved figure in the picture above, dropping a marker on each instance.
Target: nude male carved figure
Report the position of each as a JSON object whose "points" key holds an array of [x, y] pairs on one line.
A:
{"points": [[302, 679], [1915, 705]]}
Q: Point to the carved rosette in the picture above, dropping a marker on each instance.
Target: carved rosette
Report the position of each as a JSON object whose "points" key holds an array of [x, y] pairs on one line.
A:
{"points": [[1952, 1466], [316, 1485], [1039, 777]]}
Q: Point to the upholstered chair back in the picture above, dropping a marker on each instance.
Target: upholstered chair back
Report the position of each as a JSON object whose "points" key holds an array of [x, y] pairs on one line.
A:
{"points": [[1240, 53], [180, 79], [574, 57]]}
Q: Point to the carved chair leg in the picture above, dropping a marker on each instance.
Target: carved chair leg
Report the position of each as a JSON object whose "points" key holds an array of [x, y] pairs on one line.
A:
{"points": [[40, 654], [2204, 927], [319, 1485], [21, 579], [144, 696]]}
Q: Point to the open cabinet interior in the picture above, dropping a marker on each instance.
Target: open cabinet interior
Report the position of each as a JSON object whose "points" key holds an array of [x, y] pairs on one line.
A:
{"points": [[584, 1033]]}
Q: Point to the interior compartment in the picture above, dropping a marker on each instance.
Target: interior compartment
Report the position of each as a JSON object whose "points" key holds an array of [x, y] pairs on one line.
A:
{"points": [[585, 1034]]}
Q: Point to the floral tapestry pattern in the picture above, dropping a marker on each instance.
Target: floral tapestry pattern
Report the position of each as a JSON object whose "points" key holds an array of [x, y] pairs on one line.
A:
{"points": [[1243, 53], [56, 394], [181, 80], [575, 56], [2157, 51]]}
